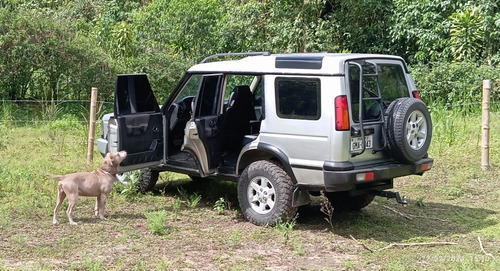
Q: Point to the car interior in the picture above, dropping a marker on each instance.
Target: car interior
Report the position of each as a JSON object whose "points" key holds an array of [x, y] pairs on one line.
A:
{"points": [[238, 122]]}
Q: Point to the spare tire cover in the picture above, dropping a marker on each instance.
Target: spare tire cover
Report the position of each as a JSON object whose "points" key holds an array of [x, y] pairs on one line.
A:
{"points": [[409, 129]]}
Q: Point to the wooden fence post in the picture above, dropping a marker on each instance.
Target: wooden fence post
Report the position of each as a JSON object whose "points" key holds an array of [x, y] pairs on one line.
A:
{"points": [[93, 106], [485, 129]]}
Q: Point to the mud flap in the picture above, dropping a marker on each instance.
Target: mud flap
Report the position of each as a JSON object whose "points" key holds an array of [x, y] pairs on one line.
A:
{"points": [[300, 197]]}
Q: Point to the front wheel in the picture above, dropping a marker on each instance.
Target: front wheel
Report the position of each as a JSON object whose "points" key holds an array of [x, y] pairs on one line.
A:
{"points": [[265, 193], [148, 180], [197, 179]]}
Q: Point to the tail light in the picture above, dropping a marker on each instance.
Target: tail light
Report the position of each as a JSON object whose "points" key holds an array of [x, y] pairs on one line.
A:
{"points": [[415, 94], [366, 176], [341, 113], [426, 166]]}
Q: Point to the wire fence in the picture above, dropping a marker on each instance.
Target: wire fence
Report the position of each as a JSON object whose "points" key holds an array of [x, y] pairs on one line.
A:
{"points": [[66, 123], [43, 111], [61, 123], [26, 112]]}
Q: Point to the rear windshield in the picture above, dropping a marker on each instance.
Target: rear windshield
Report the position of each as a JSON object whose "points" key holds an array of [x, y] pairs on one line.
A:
{"points": [[386, 81]]}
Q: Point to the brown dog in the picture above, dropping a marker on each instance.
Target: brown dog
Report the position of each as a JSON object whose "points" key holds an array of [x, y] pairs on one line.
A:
{"points": [[97, 183]]}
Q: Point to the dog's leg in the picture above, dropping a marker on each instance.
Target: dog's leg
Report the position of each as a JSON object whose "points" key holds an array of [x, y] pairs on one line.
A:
{"points": [[60, 198], [96, 209], [72, 199], [102, 203]]}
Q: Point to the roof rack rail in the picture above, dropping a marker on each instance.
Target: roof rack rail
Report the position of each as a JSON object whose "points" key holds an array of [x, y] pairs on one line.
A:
{"points": [[235, 54]]}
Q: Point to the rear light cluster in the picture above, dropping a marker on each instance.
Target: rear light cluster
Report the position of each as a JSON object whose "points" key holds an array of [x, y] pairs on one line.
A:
{"points": [[426, 166], [370, 175], [415, 94], [365, 176], [342, 113]]}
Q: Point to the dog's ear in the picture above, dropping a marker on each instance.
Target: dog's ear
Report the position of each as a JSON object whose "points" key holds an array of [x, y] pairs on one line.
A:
{"points": [[115, 161]]}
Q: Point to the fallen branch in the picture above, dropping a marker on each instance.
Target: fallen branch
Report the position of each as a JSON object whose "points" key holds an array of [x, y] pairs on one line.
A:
{"points": [[410, 217], [433, 218], [361, 244], [411, 244], [482, 248], [398, 212], [417, 244]]}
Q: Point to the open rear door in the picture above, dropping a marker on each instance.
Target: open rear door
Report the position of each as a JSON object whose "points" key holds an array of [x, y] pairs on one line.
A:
{"points": [[139, 121]]}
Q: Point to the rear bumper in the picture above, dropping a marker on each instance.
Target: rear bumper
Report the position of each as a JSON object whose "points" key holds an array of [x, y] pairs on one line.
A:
{"points": [[345, 176]]}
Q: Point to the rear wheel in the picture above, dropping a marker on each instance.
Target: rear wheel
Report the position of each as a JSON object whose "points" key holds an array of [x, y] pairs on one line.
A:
{"points": [[265, 193], [343, 202]]}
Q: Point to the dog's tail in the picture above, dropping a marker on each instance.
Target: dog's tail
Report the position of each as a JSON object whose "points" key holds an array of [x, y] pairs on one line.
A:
{"points": [[52, 176]]}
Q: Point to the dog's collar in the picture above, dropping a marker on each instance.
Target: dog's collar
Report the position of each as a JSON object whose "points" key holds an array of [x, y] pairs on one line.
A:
{"points": [[107, 171]]}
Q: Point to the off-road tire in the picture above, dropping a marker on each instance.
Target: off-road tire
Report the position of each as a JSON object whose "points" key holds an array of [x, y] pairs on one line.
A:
{"points": [[148, 180], [343, 202], [409, 129], [262, 184]]}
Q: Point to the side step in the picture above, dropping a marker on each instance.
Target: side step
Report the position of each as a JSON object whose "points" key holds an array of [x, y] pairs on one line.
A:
{"points": [[392, 195]]}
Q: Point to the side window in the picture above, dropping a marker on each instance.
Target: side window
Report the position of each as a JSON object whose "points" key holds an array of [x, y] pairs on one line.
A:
{"points": [[190, 89], [258, 93], [207, 101], [134, 95], [298, 98], [391, 80]]}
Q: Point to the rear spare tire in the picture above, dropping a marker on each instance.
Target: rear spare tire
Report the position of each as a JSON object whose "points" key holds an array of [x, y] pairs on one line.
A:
{"points": [[409, 129]]}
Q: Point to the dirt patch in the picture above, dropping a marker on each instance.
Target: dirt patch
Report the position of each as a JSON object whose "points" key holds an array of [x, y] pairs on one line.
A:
{"points": [[199, 240]]}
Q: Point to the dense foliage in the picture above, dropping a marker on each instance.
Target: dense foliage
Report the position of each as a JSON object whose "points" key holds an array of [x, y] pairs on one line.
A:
{"points": [[58, 49]]}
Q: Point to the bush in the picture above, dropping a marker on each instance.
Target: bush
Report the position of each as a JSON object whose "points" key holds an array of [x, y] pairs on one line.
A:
{"points": [[455, 84], [157, 222]]}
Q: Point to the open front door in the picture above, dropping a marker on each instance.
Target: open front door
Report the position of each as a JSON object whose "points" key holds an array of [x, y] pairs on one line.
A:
{"points": [[202, 130], [139, 121]]}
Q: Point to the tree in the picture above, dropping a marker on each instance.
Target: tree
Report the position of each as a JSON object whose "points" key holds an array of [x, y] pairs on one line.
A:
{"points": [[427, 31], [276, 26], [363, 25], [467, 34], [43, 58]]}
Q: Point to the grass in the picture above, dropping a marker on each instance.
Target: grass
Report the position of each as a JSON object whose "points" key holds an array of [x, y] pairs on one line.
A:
{"points": [[185, 225]]}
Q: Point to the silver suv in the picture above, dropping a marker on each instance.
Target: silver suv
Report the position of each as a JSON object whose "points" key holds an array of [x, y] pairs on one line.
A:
{"points": [[283, 126]]}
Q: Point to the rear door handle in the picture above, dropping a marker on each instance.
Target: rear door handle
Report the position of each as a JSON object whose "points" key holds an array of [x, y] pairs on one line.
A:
{"points": [[357, 132]]}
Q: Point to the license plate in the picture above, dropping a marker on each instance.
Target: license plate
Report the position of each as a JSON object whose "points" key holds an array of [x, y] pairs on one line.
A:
{"points": [[357, 143]]}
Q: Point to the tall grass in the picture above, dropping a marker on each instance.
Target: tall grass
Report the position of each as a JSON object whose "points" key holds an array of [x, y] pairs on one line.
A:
{"points": [[456, 190], [459, 134], [456, 149], [27, 152], [33, 112]]}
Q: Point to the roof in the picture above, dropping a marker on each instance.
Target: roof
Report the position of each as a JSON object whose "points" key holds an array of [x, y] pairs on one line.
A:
{"points": [[295, 63]]}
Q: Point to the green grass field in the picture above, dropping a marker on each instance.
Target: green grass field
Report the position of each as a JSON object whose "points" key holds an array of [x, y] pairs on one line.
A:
{"points": [[186, 226]]}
